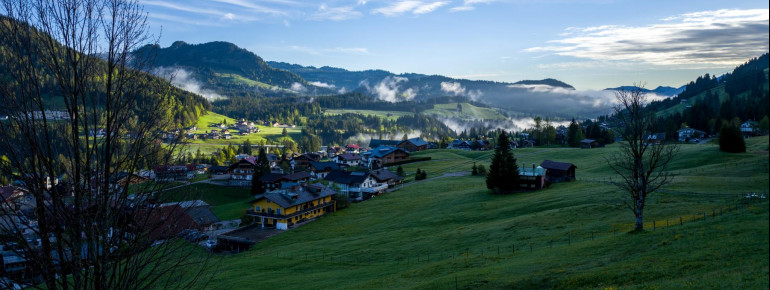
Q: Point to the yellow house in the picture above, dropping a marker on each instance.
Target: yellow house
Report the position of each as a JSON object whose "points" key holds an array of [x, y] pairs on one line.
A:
{"points": [[285, 208]]}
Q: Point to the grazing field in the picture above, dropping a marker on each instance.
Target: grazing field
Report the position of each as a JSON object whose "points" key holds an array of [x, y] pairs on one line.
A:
{"points": [[469, 112], [227, 203], [388, 115], [450, 232], [210, 120]]}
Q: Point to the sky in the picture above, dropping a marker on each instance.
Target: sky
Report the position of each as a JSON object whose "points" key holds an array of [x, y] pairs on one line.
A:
{"points": [[590, 44]]}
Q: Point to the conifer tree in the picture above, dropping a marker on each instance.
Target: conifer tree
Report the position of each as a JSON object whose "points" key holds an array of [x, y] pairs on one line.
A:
{"points": [[503, 174], [261, 167]]}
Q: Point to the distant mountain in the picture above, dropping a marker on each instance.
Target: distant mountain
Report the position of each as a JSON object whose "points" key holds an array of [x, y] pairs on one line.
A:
{"points": [[223, 68], [547, 82], [660, 90]]}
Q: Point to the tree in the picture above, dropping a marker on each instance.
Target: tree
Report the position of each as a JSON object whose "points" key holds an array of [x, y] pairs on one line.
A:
{"points": [[261, 167], [474, 171], [640, 165], [731, 138], [400, 171], [92, 235], [764, 125], [503, 174], [284, 133]]}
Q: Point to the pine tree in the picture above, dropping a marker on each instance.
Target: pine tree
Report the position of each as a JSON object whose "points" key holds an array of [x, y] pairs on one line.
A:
{"points": [[731, 139], [474, 172], [261, 167], [503, 172], [400, 171]]}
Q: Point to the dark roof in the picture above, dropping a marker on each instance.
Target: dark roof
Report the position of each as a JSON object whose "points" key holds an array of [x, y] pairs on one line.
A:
{"points": [[555, 165], [348, 156], [218, 168], [344, 177], [380, 142], [417, 141], [271, 177], [309, 156], [384, 174], [202, 215], [296, 176], [292, 197], [383, 151], [324, 166]]}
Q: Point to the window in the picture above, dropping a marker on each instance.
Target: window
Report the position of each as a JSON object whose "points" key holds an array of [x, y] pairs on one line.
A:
{"points": [[278, 211], [257, 208]]}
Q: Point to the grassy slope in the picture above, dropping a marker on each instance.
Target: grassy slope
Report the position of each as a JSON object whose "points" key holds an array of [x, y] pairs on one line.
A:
{"points": [[469, 112], [227, 203], [719, 91], [382, 114], [269, 134], [442, 218]]}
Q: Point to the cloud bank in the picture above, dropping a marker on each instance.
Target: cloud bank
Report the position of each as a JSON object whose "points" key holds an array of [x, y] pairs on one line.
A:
{"points": [[389, 89], [456, 89], [709, 38], [183, 79]]}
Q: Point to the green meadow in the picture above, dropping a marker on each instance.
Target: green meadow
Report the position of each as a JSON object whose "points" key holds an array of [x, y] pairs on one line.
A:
{"points": [[450, 232]]}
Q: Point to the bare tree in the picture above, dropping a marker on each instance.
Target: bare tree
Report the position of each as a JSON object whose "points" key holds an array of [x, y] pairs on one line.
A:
{"points": [[73, 92], [641, 161]]}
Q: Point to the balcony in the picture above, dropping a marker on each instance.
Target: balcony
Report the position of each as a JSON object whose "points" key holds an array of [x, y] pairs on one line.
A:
{"points": [[253, 213]]}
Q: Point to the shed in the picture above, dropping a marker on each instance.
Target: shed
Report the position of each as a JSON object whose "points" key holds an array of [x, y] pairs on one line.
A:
{"points": [[558, 171]]}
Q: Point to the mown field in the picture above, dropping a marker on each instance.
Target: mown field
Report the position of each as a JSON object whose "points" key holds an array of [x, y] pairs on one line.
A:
{"points": [[388, 115], [450, 232], [469, 112], [208, 122]]}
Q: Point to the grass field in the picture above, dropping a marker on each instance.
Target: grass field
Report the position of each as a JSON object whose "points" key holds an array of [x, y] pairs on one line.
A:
{"points": [[267, 133], [389, 115], [227, 203], [469, 112], [447, 232]]}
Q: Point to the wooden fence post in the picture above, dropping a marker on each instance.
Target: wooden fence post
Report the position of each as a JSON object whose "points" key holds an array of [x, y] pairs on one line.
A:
{"points": [[680, 220]]}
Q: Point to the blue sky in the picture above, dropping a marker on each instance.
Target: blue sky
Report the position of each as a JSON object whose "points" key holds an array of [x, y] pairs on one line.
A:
{"points": [[591, 44]]}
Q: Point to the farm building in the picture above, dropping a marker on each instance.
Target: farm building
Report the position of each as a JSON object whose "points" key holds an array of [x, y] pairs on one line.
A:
{"points": [[558, 171]]}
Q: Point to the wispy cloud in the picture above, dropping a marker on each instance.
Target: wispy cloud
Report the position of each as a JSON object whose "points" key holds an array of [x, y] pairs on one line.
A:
{"points": [[252, 7], [334, 50], [335, 13], [717, 38], [468, 5], [409, 6]]}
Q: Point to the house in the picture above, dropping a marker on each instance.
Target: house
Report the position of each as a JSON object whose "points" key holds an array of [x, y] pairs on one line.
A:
{"points": [[687, 134], [241, 172], [352, 148], [321, 169], [301, 162], [276, 180], [589, 143], [165, 222], [121, 178], [532, 178], [357, 185], [480, 145], [174, 172], [413, 144], [227, 136], [749, 128], [655, 138], [218, 170], [383, 155], [374, 143], [333, 150], [347, 159], [558, 171], [385, 176], [460, 144], [199, 211], [284, 208]]}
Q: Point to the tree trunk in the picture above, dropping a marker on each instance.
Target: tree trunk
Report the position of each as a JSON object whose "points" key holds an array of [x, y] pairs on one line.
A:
{"points": [[639, 225]]}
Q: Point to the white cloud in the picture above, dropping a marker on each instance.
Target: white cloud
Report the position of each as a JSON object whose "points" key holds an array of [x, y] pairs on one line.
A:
{"points": [[183, 79], [322, 85], [454, 88], [255, 7], [389, 89], [468, 5], [335, 13], [297, 87], [706, 38], [409, 6]]}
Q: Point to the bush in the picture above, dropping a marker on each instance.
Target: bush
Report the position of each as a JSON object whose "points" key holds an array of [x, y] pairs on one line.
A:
{"points": [[731, 139], [482, 170], [420, 175]]}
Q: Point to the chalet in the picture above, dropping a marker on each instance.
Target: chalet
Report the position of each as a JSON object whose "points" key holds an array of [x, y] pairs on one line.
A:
{"points": [[283, 209], [655, 139], [191, 136], [166, 222], [241, 172], [227, 136], [432, 145], [347, 159], [174, 172], [276, 180], [460, 144], [374, 143], [480, 145], [215, 169], [687, 134], [122, 178], [386, 177], [532, 178], [333, 150], [413, 144], [527, 143], [357, 185], [321, 169], [749, 128], [589, 143], [199, 211], [352, 148], [558, 171], [383, 155], [301, 162]]}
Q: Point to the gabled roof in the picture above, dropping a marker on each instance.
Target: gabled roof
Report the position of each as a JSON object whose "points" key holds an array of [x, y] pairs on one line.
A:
{"points": [[271, 177], [202, 215], [296, 176], [383, 174], [344, 177], [292, 197], [416, 141], [324, 166], [555, 165], [374, 143], [348, 157], [354, 146], [383, 151]]}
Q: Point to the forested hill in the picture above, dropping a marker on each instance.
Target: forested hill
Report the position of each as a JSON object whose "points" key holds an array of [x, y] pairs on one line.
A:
{"points": [[185, 107], [709, 102], [660, 90], [224, 68]]}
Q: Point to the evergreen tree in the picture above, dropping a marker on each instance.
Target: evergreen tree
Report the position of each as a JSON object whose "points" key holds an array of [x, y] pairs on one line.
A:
{"points": [[572, 132], [503, 172], [731, 139], [400, 171], [284, 133], [474, 172], [261, 167]]}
